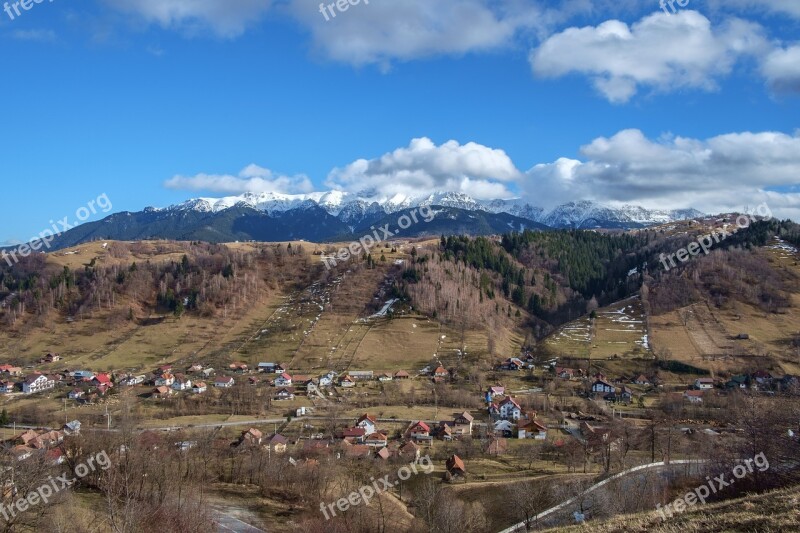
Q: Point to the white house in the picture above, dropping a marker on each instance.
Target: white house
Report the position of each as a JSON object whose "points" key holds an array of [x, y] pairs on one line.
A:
{"points": [[284, 380], [224, 382], [532, 430], [37, 383], [347, 381], [165, 380], [503, 426], [704, 383], [182, 384], [510, 409], [75, 394], [367, 422], [694, 396], [199, 387]]}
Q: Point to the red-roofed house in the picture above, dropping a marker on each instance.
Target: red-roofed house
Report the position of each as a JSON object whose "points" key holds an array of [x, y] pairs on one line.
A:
{"points": [[420, 431]]}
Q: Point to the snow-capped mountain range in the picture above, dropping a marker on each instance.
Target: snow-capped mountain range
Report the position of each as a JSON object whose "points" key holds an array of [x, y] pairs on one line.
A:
{"points": [[353, 209]]}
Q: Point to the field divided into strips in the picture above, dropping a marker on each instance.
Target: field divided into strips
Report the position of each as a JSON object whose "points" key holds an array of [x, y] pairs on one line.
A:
{"points": [[619, 330], [278, 338], [705, 336], [346, 319]]}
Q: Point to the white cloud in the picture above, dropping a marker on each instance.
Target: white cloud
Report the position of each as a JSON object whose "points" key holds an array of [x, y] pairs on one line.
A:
{"points": [[663, 52], [423, 167], [252, 178], [383, 31], [228, 18], [718, 174], [781, 68]]}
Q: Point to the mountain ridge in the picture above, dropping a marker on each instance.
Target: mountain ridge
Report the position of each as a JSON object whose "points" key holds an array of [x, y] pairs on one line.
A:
{"points": [[353, 209]]}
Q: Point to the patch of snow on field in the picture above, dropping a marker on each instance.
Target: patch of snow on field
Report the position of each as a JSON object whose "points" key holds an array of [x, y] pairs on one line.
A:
{"points": [[388, 305]]}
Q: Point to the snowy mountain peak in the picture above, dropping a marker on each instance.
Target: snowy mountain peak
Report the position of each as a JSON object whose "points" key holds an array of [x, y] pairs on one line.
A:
{"points": [[356, 208]]}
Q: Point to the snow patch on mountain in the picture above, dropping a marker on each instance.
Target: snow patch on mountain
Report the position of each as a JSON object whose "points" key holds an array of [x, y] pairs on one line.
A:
{"points": [[354, 208]]}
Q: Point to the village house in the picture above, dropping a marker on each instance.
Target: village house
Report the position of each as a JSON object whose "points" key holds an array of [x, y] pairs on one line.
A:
{"points": [[6, 387], [376, 440], [704, 383], [762, 377], [455, 467], [225, 382], [565, 373], [37, 383], [496, 446], [195, 368], [347, 381], [278, 443], [164, 380], [641, 379], [503, 428], [462, 424], [532, 430], [443, 431], [238, 367], [385, 377], [626, 394], [199, 387], [102, 379], [357, 435], [509, 409], [512, 363], [76, 394], [251, 437], [83, 375], [693, 396], [602, 386], [284, 393], [440, 372], [72, 428], [494, 392], [368, 422], [327, 380], [270, 368], [182, 383], [303, 382], [409, 451], [356, 451], [737, 382], [11, 370], [362, 375], [419, 431], [401, 374], [131, 381], [51, 358], [162, 392]]}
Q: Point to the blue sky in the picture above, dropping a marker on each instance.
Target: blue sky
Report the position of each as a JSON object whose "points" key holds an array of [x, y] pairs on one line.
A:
{"points": [[153, 102]]}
